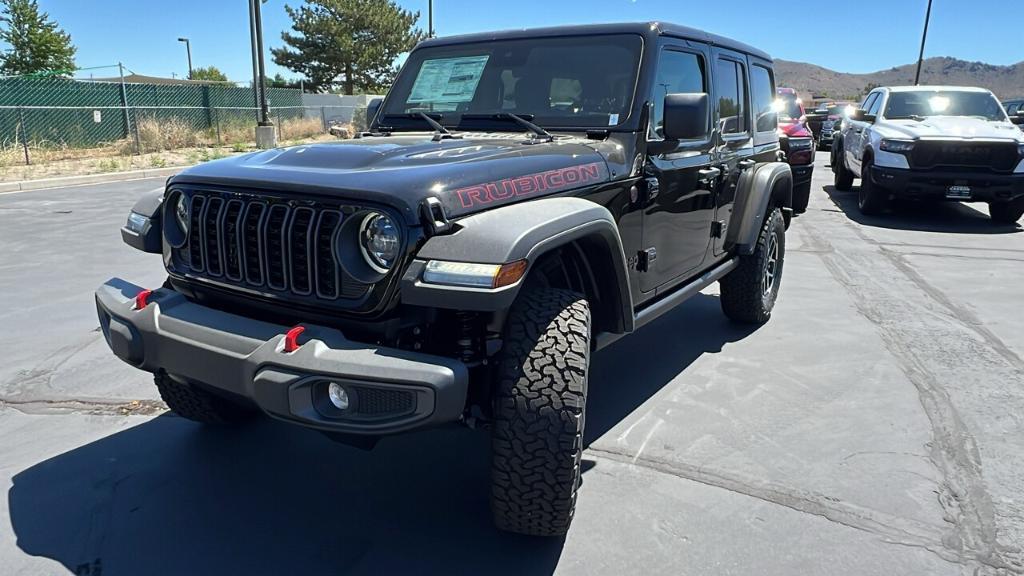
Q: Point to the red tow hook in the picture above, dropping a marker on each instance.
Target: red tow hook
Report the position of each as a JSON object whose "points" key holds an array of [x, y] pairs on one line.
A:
{"points": [[291, 339], [141, 299]]}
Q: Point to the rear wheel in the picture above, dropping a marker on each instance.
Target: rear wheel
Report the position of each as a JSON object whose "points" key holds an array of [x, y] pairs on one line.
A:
{"points": [[801, 197], [541, 391], [871, 199], [843, 178], [1006, 212], [750, 290], [190, 401]]}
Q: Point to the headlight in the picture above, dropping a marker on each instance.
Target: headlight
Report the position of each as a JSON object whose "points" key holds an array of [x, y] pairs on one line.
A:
{"points": [[137, 222], [472, 274], [379, 241], [181, 213], [897, 146], [800, 144]]}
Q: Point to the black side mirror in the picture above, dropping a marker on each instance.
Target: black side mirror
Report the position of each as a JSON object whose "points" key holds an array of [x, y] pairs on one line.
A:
{"points": [[1018, 118], [862, 116], [371, 110], [686, 116]]}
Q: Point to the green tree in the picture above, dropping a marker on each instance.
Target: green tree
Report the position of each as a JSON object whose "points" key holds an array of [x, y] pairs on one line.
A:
{"points": [[210, 74], [347, 43], [37, 43]]}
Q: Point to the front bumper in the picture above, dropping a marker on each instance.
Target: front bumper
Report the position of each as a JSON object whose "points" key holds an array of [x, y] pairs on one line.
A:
{"points": [[925, 185], [802, 173], [392, 390]]}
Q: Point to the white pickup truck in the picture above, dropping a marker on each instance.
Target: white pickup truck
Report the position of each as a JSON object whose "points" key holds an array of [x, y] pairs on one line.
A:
{"points": [[932, 143]]}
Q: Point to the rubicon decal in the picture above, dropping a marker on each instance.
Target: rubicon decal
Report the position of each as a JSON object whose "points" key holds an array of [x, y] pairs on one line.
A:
{"points": [[529, 184]]}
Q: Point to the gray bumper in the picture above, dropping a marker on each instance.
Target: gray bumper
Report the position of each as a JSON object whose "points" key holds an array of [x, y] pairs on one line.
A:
{"points": [[393, 390]]}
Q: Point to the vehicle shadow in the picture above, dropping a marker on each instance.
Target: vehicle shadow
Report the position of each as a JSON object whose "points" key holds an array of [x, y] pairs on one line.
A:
{"points": [[950, 217], [171, 497]]}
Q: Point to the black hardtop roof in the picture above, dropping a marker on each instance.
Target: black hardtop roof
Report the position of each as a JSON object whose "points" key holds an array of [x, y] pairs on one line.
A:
{"points": [[646, 29]]}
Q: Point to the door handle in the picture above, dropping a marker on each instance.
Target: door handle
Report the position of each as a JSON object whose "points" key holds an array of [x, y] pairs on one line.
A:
{"points": [[747, 164], [708, 174]]}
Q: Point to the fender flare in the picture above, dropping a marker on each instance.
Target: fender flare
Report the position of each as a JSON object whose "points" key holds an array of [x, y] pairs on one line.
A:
{"points": [[526, 230], [756, 190], [150, 239]]}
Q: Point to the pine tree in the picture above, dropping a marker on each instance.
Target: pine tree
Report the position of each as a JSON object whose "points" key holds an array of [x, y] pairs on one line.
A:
{"points": [[37, 44], [347, 43]]}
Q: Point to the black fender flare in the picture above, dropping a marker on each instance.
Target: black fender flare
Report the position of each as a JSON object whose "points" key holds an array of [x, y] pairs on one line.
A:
{"points": [[150, 239], [758, 188], [526, 230]]}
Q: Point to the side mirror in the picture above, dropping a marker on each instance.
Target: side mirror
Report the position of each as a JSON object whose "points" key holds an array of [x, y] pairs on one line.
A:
{"points": [[862, 116], [1018, 118], [371, 110], [686, 116]]}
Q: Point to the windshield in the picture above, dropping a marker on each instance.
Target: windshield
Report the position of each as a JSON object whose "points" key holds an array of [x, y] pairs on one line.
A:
{"points": [[581, 82], [838, 110], [921, 104], [789, 109]]}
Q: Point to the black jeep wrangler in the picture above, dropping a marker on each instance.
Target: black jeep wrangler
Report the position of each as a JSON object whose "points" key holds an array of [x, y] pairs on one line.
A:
{"points": [[520, 200]]}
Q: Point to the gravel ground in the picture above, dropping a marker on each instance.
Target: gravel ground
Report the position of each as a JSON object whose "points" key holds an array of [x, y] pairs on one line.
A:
{"points": [[874, 426]]}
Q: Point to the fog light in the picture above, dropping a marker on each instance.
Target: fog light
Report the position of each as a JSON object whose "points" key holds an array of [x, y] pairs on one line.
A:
{"points": [[338, 396]]}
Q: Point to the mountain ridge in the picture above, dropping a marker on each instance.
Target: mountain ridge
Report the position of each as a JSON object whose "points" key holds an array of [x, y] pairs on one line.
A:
{"points": [[813, 81]]}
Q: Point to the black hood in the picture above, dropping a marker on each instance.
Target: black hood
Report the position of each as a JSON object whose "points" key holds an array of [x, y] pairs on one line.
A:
{"points": [[475, 172]]}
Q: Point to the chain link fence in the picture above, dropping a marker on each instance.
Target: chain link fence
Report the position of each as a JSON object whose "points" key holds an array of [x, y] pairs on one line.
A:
{"points": [[44, 119]]}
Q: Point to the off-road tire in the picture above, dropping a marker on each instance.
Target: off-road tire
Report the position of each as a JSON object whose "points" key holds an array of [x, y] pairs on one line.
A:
{"points": [[871, 198], [843, 178], [801, 197], [539, 399], [1006, 212], [194, 403], [743, 294]]}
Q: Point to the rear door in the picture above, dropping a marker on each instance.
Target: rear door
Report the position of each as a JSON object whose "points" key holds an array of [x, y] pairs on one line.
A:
{"points": [[680, 207], [734, 139]]}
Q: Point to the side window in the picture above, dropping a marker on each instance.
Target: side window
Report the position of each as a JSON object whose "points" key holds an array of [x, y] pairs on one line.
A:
{"points": [[876, 106], [678, 73], [868, 101], [731, 90], [763, 95], [1012, 109]]}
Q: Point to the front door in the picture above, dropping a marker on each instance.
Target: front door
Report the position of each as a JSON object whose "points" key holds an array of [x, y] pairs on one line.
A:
{"points": [[679, 206]]}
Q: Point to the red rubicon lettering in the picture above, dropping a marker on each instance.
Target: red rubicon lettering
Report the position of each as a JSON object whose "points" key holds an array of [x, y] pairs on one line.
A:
{"points": [[549, 181]]}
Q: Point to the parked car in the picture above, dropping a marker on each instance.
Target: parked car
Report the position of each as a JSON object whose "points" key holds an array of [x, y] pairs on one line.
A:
{"points": [[932, 143], [797, 143], [520, 200], [833, 115]]}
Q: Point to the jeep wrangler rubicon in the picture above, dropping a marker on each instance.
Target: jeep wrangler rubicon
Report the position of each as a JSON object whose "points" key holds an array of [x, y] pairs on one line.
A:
{"points": [[932, 143], [520, 200]]}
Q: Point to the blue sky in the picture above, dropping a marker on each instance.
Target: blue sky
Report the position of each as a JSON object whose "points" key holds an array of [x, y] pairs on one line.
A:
{"points": [[863, 36]]}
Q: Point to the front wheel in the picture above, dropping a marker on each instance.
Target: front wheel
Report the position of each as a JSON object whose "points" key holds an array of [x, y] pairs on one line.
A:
{"points": [[539, 399], [1006, 212], [801, 197], [843, 178], [750, 290], [872, 198]]}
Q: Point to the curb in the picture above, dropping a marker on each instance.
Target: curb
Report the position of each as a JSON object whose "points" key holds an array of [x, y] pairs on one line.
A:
{"points": [[25, 185]]}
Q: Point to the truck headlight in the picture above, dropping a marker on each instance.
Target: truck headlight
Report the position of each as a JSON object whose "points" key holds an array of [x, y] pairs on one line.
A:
{"points": [[897, 146], [137, 223], [379, 241], [800, 144]]}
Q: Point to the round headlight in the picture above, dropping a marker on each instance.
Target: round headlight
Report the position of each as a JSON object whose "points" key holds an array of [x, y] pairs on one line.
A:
{"points": [[379, 241], [181, 213]]}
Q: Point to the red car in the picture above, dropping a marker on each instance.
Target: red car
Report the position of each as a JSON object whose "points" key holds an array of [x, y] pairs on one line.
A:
{"points": [[797, 143]]}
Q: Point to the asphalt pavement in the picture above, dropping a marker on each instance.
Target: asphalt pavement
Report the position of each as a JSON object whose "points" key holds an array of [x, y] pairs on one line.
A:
{"points": [[874, 426]]}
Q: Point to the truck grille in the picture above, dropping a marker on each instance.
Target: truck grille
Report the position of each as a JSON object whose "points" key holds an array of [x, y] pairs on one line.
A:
{"points": [[252, 241], [988, 156]]}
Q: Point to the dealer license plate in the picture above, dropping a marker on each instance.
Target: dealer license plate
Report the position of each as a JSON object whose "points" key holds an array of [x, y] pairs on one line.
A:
{"points": [[958, 192]]}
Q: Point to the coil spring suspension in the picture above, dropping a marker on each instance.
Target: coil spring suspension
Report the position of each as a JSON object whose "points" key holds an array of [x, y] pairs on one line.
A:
{"points": [[469, 336]]}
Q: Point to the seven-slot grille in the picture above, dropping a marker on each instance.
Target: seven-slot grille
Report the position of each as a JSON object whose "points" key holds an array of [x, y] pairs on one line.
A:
{"points": [[997, 156], [256, 242]]}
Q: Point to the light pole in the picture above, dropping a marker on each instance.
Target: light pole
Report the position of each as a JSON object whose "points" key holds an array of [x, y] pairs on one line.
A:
{"points": [[266, 137], [430, 18], [924, 36], [188, 50]]}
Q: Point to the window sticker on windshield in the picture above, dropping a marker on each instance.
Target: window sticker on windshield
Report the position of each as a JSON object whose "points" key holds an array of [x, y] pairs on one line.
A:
{"points": [[448, 79], [613, 119]]}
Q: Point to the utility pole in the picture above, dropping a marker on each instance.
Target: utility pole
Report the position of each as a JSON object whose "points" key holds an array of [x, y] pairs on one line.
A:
{"points": [[924, 36], [188, 50], [266, 136], [430, 18]]}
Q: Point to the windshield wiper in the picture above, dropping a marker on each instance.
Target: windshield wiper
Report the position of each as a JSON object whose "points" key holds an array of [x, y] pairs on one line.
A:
{"points": [[537, 130], [440, 132]]}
